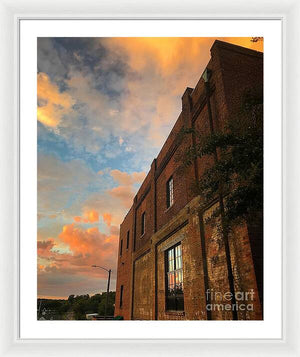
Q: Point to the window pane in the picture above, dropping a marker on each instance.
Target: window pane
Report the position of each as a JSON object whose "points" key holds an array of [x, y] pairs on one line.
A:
{"points": [[143, 223], [174, 282], [178, 251], [171, 191], [179, 282], [179, 303], [171, 265], [178, 278], [171, 254], [178, 262], [171, 303], [171, 280], [121, 246]]}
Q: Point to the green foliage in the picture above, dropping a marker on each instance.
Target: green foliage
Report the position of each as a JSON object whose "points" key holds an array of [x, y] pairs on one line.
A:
{"points": [[238, 171], [118, 317], [110, 306], [78, 306]]}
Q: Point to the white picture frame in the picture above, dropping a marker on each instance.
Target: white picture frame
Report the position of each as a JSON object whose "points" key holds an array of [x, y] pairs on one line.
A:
{"points": [[10, 14]]}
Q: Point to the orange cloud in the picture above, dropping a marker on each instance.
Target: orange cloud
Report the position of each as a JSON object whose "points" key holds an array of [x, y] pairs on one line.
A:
{"points": [[178, 62], [165, 52], [93, 216], [107, 218], [88, 247], [168, 53], [126, 179], [124, 193], [52, 104], [83, 241], [44, 247]]}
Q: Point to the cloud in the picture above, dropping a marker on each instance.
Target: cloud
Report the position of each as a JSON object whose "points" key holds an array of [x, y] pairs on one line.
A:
{"points": [[114, 230], [107, 218], [124, 193], [163, 68], [86, 247], [86, 241], [61, 183], [93, 216], [123, 87], [127, 179], [88, 217], [44, 248], [113, 203], [52, 104]]}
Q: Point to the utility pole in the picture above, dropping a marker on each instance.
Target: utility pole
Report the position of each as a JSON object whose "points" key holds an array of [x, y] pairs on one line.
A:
{"points": [[107, 291]]}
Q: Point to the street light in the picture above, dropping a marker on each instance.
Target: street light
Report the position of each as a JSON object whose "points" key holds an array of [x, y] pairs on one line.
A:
{"points": [[108, 282]]}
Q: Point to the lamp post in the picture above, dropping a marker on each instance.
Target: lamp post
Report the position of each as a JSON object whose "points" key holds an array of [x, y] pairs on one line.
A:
{"points": [[108, 282]]}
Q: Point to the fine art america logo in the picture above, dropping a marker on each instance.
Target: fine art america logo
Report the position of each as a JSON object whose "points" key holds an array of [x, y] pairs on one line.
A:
{"points": [[220, 301]]}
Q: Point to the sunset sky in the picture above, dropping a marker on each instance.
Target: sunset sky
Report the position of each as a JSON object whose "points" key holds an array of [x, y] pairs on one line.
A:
{"points": [[105, 107]]}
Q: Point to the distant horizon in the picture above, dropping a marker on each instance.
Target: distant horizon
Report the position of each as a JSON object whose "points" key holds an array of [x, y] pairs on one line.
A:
{"points": [[66, 297]]}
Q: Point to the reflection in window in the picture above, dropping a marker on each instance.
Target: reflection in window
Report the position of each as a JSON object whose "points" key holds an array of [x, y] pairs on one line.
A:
{"points": [[174, 279]]}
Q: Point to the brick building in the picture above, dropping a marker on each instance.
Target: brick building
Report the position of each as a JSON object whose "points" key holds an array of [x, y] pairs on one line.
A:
{"points": [[172, 262]]}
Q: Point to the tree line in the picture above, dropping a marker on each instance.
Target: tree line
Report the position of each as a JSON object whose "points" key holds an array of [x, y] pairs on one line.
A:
{"points": [[76, 307]]}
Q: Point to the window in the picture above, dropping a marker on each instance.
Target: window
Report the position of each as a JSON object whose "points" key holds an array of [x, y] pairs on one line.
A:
{"points": [[127, 240], [174, 279], [143, 223], [121, 247], [170, 194], [121, 295]]}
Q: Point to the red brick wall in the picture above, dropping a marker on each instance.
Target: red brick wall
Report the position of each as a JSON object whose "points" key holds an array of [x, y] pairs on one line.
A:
{"points": [[124, 268], [180, 190], [147, 207], [242, 69], [242, 266]]}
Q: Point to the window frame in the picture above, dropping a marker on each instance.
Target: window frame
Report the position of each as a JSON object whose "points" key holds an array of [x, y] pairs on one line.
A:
{"points": [[121, 295], [170, 192], [167, 271], [121, 247], [127, 240], [143, 223]]}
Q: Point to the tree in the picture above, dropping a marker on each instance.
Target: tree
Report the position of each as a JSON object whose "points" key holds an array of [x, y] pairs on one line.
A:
{"points": [[71, 299], [110, 306]]}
